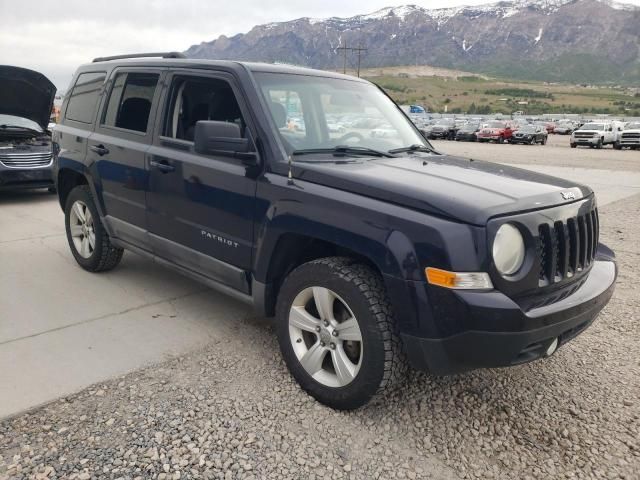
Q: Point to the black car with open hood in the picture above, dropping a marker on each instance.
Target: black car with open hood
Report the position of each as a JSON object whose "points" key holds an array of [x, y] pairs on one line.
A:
{"points": [[26, 99]]}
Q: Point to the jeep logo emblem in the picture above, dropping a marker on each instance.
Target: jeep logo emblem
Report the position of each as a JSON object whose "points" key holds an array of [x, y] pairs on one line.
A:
{"points": [[568, 195]]}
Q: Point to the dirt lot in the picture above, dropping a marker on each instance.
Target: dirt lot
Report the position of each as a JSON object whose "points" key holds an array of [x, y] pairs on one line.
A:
{"points": [[227, 408]]}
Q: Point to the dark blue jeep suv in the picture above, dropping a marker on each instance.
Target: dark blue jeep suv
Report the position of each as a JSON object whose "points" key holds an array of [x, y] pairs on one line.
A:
{"points": [[311, 196]]}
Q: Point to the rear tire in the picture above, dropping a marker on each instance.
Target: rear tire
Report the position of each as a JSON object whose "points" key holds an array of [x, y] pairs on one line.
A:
{"points": [[88, 240], [343, 370]]}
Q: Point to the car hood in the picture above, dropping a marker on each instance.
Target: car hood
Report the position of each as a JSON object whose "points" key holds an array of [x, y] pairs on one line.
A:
{"points": [[27, 94], [469, 191]]}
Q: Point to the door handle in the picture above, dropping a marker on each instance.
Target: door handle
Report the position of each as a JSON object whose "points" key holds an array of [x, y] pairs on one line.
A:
{"points": [[162, 165], [99, 149]]}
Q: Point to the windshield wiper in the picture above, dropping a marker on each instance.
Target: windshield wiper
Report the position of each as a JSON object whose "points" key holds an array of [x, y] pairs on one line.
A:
{"points": [[413, 148], [340, 150]]}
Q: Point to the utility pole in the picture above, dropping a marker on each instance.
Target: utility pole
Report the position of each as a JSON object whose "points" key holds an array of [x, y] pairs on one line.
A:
{"points": [[359, 49], [344, 49]]}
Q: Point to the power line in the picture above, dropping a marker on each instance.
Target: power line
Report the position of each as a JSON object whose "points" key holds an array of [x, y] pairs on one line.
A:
{"points": [[344, 49]]}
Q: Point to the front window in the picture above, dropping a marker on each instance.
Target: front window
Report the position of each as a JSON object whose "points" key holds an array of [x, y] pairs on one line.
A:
{"points": [[592, 126], [314, 112]]}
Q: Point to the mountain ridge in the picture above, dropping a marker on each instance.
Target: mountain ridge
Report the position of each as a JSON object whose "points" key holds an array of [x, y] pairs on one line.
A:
{"points": [[592, 41]]}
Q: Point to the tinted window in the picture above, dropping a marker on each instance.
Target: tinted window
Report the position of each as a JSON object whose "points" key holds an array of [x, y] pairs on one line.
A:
{"points": [[130, 101], [83, 98], [193, 99]]}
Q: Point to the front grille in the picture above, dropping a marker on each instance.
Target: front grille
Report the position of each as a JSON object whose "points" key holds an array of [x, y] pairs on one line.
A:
{"points": [[583, 135], [26, 160], [567, 247], [630, 135]]}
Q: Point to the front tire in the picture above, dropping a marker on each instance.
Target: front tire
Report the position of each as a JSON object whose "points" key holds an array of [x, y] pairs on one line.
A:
{"points": [[337, 334], [89, 242]]}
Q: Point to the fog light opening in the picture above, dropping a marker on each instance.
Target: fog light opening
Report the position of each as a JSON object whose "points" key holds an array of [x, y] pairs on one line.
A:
{"points": [[551, 348]]}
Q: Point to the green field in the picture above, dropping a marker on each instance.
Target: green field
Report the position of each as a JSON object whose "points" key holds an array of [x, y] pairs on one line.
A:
{"points": [[481, 95]]}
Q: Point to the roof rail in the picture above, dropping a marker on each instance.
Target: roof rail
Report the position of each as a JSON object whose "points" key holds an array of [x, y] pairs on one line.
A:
{"points": [[141, 55]]}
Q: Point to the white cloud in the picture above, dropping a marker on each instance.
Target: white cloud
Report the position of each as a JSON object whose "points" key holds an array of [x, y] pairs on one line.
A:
{"points": [[55, 37]]}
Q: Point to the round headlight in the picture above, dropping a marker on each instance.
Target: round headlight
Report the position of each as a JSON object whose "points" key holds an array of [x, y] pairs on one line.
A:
{"points": [[508, 249]]}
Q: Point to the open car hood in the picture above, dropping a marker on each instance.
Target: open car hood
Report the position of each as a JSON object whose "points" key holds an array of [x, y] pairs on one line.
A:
{"points": [[27, 94]]}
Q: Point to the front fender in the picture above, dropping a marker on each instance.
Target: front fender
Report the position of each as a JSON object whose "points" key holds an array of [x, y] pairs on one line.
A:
{"points": [[400, 242]]}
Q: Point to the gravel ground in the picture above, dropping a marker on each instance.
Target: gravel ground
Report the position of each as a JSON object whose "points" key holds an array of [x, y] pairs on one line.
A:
{"points": [[555, 153], [232, 411]]}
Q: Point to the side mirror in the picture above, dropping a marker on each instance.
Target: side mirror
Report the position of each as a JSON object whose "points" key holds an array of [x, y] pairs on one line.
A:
{"points": [[222, 139]]}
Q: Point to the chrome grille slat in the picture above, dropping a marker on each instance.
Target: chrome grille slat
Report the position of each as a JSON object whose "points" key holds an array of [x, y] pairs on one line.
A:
{"points": [[26, 160]]}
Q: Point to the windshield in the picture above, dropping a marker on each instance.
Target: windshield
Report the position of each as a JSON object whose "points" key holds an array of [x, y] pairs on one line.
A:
{"points": [[495, 125], [470, 127], [527, 129], [632, 126], [592, 126], [323, 113], [19, 122]]}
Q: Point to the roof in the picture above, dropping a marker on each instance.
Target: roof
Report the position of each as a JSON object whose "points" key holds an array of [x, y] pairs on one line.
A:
{"points": [[225, 64]]}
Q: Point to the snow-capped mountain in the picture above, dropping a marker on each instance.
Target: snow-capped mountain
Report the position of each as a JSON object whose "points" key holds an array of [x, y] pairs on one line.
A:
{"points": [[575, 40]]}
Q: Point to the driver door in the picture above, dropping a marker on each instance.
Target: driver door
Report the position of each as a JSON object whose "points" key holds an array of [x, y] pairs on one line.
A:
{"points": [[201, 207]]}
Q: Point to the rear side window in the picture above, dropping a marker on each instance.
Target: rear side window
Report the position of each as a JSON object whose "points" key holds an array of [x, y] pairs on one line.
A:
{"points": [[83, 98], [130, 101]]}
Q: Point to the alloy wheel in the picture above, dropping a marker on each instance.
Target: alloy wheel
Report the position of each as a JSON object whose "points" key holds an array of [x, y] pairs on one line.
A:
{"points": [[82, 229], [325, 336]]}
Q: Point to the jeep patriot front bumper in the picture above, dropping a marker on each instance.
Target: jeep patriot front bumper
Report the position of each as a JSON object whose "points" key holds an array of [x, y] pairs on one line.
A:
{"points": [[496, 332]]}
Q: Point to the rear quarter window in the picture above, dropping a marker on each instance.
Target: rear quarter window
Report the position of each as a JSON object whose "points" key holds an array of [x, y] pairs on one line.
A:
{"points": [[83, 98]]}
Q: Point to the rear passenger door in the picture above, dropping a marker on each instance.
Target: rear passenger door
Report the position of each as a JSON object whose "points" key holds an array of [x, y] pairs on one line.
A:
{"points": [[118, 147], [201, 207]]}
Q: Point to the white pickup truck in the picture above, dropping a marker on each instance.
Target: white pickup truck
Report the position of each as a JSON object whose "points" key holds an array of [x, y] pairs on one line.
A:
{"points": [[630, 137], [594, 134]]}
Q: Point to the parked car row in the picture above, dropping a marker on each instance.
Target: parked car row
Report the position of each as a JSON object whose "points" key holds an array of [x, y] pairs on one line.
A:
{"points": [[598, 134], [497, 131], [594, 134]]}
